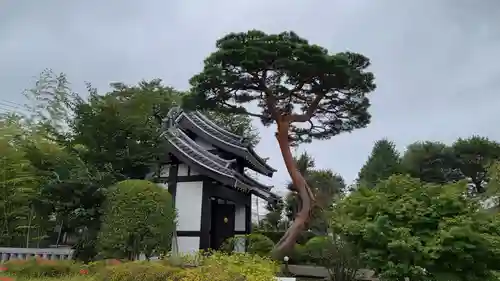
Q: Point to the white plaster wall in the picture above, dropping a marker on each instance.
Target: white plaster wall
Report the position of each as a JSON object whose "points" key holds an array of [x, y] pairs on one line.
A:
{"points": [[183, 170], [188, 203], [188, 245], [164, 171], [239, 218], [201, 142], [193, 172]]}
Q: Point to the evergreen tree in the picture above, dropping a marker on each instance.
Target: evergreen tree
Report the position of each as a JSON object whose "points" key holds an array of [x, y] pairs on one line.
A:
{"points": [[383, 162], [274, 217]]}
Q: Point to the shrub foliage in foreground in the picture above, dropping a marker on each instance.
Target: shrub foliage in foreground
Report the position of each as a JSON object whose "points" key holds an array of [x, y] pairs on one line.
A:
{"points": [[41, 268], [210, 267], [407, 228]]}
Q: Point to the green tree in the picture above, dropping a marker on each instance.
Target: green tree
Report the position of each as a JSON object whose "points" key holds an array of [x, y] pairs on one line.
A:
{"points": [[467, 159], [273, 220], [18, 187], [409, 228], [294, 83], [473, 157], [326, 187], [70, 191], [431, 162], [119, 129], [139, 217], [383, 162]]}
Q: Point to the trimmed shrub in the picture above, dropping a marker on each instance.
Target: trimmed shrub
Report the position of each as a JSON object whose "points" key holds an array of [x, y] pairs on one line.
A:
{"points": [[256, 244], [35, 268], [139, 217]]}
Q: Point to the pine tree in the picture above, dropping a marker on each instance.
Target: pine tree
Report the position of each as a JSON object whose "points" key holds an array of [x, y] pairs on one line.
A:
{"points": [[383, 162]]}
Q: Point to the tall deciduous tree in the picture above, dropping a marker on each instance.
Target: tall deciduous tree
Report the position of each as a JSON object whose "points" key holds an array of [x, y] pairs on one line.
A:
{"points": [[383, 162], [119, 128], [408, 228], [307, 92]]}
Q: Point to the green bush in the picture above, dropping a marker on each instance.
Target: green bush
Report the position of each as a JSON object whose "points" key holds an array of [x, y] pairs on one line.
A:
{"points": [[297, 256], [315, 249], [275, 236], [139, 217], [339, 257], [256, 244], [35, 268]]}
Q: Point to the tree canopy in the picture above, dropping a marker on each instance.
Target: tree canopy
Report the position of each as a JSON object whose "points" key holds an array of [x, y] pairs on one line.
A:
{"points": [[383, 162], [308, 92], [285, 74], [422, 231]]}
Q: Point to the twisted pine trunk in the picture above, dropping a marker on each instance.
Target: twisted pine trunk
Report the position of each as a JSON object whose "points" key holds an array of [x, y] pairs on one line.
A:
{"points": [[286, 244]]}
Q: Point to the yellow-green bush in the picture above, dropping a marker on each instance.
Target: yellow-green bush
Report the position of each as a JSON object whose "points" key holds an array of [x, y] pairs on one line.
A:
{"points": [[235, 267], [42, 268], [139, 271]]}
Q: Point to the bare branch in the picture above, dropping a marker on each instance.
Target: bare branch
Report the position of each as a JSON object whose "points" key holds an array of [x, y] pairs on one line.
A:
{"points": [[242, 111], [310, 110]]}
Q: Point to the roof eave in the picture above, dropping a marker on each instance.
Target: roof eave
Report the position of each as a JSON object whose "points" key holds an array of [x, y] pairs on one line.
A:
{"points": [[244, 152], [266, 195]]}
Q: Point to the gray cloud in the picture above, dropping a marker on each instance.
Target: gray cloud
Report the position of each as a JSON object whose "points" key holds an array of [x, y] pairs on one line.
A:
{"points": [[435, 61]]}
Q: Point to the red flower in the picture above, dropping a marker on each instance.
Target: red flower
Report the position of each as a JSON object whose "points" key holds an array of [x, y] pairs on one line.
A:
{"points": [[5, 278], [84, 271], [3, 268]]}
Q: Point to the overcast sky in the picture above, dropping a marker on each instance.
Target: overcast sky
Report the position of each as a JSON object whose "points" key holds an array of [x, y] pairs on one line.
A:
{"points": [[435, 61]]}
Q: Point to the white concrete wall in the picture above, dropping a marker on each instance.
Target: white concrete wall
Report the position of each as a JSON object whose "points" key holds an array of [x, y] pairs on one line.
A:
{"points": [[239, 218], [183, 170], [188, 204], [239, 225], [188, 245]]}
